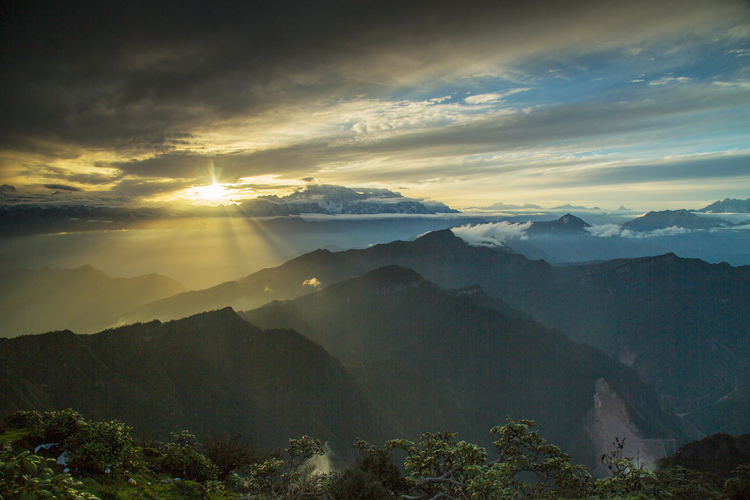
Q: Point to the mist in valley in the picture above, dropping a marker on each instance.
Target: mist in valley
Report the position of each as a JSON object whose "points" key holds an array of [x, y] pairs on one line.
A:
{"points": [[203, 252]]}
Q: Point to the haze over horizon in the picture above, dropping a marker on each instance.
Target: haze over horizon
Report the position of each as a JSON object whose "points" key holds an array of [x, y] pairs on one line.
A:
{"points": [[640, 104]]}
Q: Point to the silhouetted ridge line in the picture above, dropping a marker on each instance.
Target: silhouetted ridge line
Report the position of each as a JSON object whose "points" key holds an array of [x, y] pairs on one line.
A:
{"points": [[212, 372]]}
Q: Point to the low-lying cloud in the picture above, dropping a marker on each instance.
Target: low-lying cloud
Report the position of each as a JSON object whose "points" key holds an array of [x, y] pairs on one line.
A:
{"points": [[312, 282], [609, 230], [492, 234]]}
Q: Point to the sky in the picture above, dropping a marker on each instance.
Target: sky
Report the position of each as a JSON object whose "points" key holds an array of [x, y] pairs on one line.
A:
{"points": [[641, 103]]}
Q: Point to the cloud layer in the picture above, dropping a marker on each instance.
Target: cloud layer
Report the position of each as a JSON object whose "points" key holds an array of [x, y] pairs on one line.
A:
{"points": [[610, 230], [491, 234], [549, 102]]}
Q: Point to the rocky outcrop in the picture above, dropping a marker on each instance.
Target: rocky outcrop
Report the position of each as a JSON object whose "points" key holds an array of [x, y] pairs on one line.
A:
{"points": [[609, 419]]}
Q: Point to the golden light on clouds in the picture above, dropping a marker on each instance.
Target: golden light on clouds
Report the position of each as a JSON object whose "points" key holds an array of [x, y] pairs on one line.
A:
{"points": [[472, 105]]}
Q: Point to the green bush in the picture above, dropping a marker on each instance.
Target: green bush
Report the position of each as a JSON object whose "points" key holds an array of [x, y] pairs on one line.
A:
{"points": [[439, 465], [183, 460], [189, 489], [738, 487], [292, 478], [61, 425], [527, 467], [100, 447], [48, 427], [31, 420], [26, 476]]}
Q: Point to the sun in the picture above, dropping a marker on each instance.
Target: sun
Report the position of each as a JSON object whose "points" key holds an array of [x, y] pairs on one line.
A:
{"points": [[212, 194], [213, 191]]}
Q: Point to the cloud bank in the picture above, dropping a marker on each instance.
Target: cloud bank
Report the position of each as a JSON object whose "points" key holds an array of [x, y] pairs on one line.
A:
{"points": [[610, 230], [491, 234]]}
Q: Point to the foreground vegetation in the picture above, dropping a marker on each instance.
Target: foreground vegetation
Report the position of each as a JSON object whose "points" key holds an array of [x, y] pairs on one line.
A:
{"points": [[41, 452]]}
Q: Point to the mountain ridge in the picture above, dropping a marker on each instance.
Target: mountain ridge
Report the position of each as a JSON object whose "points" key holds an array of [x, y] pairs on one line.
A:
{"points": [[487, 363], [212, 373], [632, 309], [670, 218], [727, 205]]}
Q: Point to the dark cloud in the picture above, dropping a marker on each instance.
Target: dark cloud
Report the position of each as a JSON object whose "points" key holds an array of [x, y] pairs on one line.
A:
{"points": [[143, 188], [177, 165], [63, 174], [62, 187], [227, 167], [139, 76], [94, 179]]}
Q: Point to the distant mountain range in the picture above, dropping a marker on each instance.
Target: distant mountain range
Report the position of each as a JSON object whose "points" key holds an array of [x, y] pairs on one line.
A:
{"points": [[656, 233], [673, 218], [729, 205], [314, 199], [86, 300], [568, 206], [337, 200], [29, 218], [83, 299], [509, 206]]}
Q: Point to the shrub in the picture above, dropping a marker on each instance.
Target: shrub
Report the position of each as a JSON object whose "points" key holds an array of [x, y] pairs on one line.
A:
{"points": [[373, 476], [291, 479], [527, 467], [229, 454], [189, 489], [31, 420], [49, 427], [101, 446], [183, 460], [440, 465], [628, 473], [256, 477], [684, 484], [738, 487], [26, 476], [524, 454], [61, 425]]}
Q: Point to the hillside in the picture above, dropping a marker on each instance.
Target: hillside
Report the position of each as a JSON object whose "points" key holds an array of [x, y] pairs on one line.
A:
{"points": [[212, 373], [480, 363], [679, 322]]}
